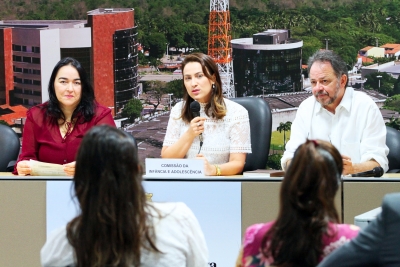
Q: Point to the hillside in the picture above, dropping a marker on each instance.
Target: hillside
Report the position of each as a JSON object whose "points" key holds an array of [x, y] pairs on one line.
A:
{"points": [[349, 25]]}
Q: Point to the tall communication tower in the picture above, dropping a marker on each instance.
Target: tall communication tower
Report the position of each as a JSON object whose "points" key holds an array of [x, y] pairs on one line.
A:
{"points": [[219, 43]]}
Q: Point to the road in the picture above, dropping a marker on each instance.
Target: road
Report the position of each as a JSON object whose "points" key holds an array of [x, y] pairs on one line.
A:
{"points": [[159, 77]]}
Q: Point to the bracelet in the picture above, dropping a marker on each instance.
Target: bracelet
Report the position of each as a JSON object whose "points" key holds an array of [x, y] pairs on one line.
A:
{"points": [[218, 170]]}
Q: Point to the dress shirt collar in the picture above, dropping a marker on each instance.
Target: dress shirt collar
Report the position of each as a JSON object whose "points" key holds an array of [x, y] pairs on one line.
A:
{"points": [[345, 103]]}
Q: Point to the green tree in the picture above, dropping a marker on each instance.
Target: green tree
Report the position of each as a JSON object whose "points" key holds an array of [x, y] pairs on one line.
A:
{"points": [[132, 109], [196, 37], [394, 123], [274, 162], [174, 31], [4, 122], [311, 45], [285, 127], [393, 103], [156, 42], [175, 87], [384, 83], [154, 93], [396, 88]]}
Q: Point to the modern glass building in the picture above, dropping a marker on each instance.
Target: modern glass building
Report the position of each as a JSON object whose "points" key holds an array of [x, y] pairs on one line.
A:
{"points": [[268, 63], [125, 66]]}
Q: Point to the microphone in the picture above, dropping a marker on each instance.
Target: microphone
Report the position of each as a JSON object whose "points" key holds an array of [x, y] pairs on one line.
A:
{"points": [[195, 108], [375, 172]]}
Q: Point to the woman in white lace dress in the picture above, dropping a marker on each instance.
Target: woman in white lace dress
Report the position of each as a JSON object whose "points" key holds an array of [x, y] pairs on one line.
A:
{"points": [[223, 124]]}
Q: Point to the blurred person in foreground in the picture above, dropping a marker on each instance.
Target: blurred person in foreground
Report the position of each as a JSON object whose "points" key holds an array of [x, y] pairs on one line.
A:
{"points": [[223, 124], [116, 225], [349, 119], [53, 130], [376, 245], [307, 228]]}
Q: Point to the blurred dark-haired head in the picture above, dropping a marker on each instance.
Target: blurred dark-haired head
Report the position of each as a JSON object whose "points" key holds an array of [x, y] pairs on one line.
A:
{"points": [[107, 162], [113, 225], [312, 179], [306, 205]]}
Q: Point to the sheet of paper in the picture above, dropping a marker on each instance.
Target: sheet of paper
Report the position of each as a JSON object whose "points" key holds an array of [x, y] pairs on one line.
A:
{"points": [[46, 169]]}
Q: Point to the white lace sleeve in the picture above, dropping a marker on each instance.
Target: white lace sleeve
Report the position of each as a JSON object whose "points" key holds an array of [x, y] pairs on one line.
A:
{"points": [[240, 131], [174, 125]]}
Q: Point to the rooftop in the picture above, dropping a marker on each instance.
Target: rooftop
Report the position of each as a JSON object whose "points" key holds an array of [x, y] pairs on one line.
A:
{"points": [[366, 48], [101, 11], [12, 113], [390, 45], [36, 24]]}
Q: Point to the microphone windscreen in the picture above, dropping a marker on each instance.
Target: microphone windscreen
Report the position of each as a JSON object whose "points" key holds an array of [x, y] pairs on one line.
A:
{"points": [[195, 106], [378, 171]]}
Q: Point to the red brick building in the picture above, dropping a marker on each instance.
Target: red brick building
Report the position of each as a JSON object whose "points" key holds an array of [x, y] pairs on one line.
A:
{"points": [[6, 66], [113, 52]]}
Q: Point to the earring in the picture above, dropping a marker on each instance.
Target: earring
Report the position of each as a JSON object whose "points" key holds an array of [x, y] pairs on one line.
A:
{"points": [[213, 87]]}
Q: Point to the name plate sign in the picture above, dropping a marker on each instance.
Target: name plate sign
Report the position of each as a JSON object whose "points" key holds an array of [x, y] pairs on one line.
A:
{"points": [[171, 168]]}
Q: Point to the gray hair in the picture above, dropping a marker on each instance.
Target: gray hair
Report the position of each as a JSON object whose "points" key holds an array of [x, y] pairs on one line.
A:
{"points": [[338, 64]]}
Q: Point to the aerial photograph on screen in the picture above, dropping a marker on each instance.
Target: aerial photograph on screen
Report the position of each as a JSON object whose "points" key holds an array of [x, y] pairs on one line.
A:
{"points": [[132, 51]]}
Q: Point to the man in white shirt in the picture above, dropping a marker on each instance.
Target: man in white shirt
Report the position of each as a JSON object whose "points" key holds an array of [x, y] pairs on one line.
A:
{"points": [[350, 120]]}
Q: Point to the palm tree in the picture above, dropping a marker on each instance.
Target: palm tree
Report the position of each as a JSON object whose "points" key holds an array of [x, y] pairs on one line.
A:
{"points": [[284, 127]]}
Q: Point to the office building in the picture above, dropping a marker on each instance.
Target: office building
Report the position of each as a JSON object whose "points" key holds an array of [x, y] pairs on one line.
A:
{"points": [[105, 45], [268, 63]]}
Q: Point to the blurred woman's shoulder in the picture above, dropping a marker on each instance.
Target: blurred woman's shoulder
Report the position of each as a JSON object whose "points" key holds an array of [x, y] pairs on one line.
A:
{"points": [[348, 230], [254, 233], [37, 109], [101, 108], [165, 209], [176, 110], [177, 234], [338, 235], [37, 113]]}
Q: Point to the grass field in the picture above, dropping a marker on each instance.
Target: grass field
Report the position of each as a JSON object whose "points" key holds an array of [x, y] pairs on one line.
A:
{"points": [[277, 138]]}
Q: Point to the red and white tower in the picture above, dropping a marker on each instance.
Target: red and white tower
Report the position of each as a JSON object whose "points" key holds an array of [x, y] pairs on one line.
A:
{"points": [[219, 43]]}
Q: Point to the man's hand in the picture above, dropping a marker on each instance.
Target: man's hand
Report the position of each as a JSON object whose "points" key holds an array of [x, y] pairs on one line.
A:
{"points": [[347, 165], [350, 168]]}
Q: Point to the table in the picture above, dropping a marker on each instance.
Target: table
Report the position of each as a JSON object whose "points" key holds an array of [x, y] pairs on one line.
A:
{"points": [[23, 205]]}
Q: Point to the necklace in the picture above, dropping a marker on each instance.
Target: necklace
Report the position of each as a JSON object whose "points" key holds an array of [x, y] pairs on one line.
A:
{"points": [[66, 129]]}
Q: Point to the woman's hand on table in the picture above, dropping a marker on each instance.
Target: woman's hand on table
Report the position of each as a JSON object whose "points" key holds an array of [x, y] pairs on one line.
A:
{"points": [[24, 168], [208, 168], [69, 168]]}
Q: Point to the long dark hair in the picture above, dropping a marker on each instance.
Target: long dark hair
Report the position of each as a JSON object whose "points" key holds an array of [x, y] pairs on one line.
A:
{"points": [[113, 225], [86, 106], [306, 205], [216, 107]]}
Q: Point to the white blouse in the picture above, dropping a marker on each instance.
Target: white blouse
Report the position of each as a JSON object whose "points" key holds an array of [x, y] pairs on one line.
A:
{"points": [[230, 134], [177, 235], [356, 129]]}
